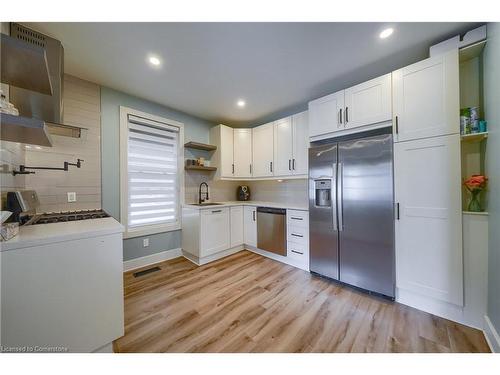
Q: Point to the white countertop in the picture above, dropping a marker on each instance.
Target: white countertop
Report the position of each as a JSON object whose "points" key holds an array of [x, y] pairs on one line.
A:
{"points": [[40, 234], [289, 206]]}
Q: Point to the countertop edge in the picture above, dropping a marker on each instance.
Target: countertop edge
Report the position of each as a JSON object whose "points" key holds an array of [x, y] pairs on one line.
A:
{"points": [[247, 203], [26, 239]]}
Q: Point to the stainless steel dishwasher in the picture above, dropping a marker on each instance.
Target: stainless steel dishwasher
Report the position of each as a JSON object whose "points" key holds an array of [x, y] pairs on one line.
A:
{"points": [[271, 230]]}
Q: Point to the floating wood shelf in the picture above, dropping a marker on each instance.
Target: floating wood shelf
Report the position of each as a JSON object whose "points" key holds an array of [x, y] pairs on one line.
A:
{"points": [[24, 130], [475, 137], [200, 146], [199, 168], [24, 65]]}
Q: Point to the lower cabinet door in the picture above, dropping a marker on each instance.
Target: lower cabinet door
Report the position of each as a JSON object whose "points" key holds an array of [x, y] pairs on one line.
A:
{"points": [[215, 235], [250, 226], [429, 218], [236, 214]]}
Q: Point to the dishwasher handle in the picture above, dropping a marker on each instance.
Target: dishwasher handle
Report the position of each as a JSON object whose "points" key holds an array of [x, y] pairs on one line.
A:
{"points": [[272, 210]]}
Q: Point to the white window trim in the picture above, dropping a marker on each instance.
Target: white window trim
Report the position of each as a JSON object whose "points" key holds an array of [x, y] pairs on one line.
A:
{"points": [[156, 228]]}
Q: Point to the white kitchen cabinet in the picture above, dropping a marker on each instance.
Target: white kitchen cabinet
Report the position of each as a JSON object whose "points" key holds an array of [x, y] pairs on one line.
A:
{"points": [[291, 145], [368, 103], [222, 137], [426, 98], [214, 234], [300, 130], [250, 225], [236, 218], [326, 114], [283, 147], [263, 145], [429, 229], [242, 152]]}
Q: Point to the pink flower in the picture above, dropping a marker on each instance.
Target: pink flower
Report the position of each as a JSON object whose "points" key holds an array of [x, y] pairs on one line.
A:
{"points": [[476, 182]]}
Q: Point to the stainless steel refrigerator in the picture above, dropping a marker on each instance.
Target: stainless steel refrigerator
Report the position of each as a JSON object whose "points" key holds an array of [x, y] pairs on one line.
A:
{"points": [[351, 211]]}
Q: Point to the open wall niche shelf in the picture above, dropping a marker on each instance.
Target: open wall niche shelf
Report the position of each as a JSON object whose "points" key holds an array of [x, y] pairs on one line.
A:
{"points": [[475, 137], [473, 146]]}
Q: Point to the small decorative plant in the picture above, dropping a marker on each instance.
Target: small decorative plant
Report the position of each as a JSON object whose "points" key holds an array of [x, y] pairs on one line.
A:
{"points": [[475, 185]]}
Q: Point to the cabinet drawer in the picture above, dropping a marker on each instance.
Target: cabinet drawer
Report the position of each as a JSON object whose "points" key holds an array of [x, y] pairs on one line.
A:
{"points": [[215, 211], [298, 218], [298, 252], [298, 235]]}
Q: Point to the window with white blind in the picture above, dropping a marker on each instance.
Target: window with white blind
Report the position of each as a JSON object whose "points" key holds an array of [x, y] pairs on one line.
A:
{"points": [[151, 178]]}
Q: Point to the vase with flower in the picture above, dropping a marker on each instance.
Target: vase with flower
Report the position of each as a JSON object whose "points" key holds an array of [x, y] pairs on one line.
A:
{"points": [[475, 185]]}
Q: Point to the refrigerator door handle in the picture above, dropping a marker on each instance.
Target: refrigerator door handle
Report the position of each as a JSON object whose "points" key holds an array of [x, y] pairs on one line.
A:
{"points": [[340, 188], [334, 199]]}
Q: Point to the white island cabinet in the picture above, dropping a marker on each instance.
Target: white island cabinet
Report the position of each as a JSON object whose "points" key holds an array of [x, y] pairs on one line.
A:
{"points": [[62, 287]]}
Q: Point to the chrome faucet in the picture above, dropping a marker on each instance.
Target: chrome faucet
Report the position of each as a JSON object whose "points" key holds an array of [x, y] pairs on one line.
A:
{"points": [[200, 199]]}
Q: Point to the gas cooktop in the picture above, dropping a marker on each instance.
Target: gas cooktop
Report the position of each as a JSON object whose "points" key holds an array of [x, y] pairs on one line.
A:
{"points": [[58, 217]]}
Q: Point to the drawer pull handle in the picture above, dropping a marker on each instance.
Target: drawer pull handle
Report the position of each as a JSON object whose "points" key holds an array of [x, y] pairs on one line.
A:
{"points": [[297, 235], [296, 218], [297, 252], [214, 212]]}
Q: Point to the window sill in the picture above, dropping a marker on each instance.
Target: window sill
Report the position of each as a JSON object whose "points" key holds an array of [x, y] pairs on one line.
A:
{"points": [[146, 231]]}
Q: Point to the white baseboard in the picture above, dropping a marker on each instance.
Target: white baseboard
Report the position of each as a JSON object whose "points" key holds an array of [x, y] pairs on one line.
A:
{"points": [[211, 258], [147, 260], [279, 258], [492, 336]]}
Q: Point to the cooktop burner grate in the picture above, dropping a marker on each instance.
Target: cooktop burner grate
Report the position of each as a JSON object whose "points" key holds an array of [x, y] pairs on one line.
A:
{"points": [[58, 217]]}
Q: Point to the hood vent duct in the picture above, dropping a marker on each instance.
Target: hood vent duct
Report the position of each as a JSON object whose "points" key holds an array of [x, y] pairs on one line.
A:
{"points": [[48, 108]]}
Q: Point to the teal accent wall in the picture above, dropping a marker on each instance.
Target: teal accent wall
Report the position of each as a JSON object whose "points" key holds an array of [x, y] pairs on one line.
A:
{"points": [[491, 71], [195, 129]]}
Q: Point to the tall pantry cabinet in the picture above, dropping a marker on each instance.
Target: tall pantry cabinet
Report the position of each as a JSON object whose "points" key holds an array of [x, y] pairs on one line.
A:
{"points": [[429, 255]]}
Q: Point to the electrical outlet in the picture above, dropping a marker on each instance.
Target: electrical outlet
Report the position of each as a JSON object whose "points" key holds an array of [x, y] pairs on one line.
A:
{"points": [[145, 242], [71, 196]]}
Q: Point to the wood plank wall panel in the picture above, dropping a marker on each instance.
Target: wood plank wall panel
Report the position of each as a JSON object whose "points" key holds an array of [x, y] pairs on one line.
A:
{"points": [[82, 107]]}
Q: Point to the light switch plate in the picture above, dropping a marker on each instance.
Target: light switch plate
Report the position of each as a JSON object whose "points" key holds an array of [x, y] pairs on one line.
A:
{"points": [[71, 196], [145, 242]]}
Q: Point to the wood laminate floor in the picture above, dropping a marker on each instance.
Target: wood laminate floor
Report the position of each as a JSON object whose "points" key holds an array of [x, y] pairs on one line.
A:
{"points": [[249, 303]]}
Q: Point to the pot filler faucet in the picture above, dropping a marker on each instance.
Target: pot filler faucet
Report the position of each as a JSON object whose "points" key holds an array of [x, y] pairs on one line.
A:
{"points": [[200, 192]]}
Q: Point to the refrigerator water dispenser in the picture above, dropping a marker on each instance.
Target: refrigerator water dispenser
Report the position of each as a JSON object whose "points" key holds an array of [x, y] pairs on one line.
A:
{"points": [[323, 190]]}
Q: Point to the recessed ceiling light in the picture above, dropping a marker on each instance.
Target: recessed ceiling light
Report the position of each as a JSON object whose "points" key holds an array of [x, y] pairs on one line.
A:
{"points": [[153, 60], [241, 103], [386, 33]]}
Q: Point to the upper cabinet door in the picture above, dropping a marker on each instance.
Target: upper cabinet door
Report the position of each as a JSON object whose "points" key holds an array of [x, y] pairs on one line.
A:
{"points": [[226, 151], [263, 145], [326, 114], [283, 147], [426, 98], [300, 130], [222, 137], [242, 152], [369, 102]]}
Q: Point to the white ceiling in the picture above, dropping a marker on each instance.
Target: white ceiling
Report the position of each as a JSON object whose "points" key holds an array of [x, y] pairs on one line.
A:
{"points": [[276, 67]]}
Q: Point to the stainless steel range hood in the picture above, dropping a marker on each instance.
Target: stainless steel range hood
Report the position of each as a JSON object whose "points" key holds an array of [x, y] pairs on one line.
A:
{"points": [[48, 108]]}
